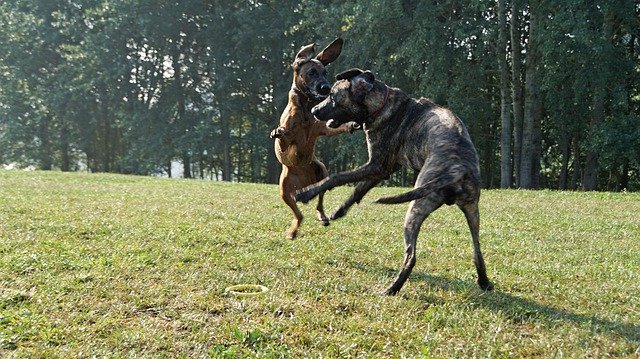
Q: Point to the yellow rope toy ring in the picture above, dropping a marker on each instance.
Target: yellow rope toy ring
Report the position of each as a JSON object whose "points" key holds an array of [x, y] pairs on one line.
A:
{"points": [[246, 290]]}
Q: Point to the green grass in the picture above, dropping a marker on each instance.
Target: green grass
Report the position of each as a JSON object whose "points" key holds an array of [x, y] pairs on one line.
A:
{"points": [[121, 266]]}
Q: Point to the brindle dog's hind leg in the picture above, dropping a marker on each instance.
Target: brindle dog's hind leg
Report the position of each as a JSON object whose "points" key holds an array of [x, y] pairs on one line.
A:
{"points": [[472, 214], [418, 211]]}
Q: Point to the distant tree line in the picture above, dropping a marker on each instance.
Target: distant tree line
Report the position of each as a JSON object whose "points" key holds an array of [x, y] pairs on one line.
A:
{"points": [[548, 89]]}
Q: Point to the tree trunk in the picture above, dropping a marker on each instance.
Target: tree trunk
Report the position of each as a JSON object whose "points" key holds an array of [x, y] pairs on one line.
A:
{"points": [[186, 165], [516, 80], [536, 155], [505, 119], [590, 179], [106, 140], [226, 146], [576, 165], [255, 155], [563, 180], [65, 147], [182, 121], [532, 94], [46, 160], [240, 155]]}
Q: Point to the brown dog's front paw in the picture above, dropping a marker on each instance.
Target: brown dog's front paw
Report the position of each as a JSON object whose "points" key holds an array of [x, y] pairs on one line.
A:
{"points": [[277, 133], [353, 126]]}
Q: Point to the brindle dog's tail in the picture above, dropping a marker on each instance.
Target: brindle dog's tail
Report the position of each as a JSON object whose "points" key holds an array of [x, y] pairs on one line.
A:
{"points": [[446, 182]]}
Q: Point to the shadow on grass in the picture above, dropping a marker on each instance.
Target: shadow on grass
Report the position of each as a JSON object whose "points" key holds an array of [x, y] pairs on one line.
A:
{"points": [[517, 309], [521, 310]]}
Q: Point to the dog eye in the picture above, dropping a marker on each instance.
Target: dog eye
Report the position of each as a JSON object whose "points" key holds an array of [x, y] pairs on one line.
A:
{"points": [[313, 72]]}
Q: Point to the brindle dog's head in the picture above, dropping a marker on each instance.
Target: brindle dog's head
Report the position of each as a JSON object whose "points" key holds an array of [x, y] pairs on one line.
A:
{"points": [[346, 101], [309, 73]]}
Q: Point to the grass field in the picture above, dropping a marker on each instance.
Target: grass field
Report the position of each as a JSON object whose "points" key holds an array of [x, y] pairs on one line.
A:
{"points": [[121, 266]]}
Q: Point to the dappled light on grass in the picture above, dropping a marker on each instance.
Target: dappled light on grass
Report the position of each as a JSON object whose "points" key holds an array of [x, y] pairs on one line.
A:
{"points": [[102, 265]]}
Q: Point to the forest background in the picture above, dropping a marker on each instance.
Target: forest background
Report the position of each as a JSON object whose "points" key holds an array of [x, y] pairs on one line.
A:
{"points": [[548, 89]]}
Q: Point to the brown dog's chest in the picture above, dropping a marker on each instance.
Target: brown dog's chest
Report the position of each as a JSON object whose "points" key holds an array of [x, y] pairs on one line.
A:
{"points": [[296, 149]]}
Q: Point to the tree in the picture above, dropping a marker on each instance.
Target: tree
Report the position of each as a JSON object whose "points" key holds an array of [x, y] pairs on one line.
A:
{"points": [[137, 86], [516, 83], [505, 118], [532, 105]]}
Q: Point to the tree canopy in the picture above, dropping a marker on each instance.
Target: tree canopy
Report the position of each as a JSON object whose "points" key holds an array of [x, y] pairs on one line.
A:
{"points": [[548, 89]]}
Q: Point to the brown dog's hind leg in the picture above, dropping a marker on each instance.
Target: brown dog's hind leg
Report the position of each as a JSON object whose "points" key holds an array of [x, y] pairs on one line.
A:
{"points": [[288, 184], [292, 232], [418, 211], [322, 217], [472, 214]]}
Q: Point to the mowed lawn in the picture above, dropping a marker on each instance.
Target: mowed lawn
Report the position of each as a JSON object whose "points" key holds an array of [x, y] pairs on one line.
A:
{"points": [[123, 266]]}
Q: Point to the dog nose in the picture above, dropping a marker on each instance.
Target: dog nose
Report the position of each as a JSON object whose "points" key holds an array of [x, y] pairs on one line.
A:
{"points": [[325, 89]]}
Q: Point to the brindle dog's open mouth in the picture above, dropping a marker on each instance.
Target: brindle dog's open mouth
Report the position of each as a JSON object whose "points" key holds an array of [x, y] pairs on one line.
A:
{"points": [[332, 124]]}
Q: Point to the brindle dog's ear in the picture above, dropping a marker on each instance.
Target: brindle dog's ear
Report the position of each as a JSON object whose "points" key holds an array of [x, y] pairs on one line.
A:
{"points": [[305, 54], [368, 75], [361, 85], [349, 74], [331, 52]]}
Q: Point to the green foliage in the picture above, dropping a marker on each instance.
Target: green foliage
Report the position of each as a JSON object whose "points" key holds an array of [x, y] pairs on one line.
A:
{"points": [[132, 86], [127, 266]]}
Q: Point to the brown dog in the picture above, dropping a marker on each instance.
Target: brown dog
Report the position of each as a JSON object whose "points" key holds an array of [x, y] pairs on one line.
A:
{"points": [[415, 133], [298, 131]]}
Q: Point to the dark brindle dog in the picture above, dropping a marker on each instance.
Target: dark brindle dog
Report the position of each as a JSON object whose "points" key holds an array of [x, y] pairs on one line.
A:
{"points": [[298, 131], [402, 131]]}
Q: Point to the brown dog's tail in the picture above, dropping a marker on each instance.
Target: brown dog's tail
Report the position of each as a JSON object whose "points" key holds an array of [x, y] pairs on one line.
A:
{"points": [[439, 182]]}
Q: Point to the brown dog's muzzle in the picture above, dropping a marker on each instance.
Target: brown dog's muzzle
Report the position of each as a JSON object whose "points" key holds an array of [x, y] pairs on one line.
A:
{"points": [[324, 89]]}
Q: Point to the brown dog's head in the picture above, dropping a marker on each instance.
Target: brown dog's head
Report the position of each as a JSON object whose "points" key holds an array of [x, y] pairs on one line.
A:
{"points": [[309, 73], [346, 101]]}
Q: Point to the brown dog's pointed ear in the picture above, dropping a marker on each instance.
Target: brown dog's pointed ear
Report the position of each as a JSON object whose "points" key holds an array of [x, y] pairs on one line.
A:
{"points": [[361, 85], [348, 74], [331, 52], [305, 54]]}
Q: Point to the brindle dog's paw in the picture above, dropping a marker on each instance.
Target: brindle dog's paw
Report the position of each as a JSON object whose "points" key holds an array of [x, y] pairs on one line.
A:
{"points": [[485, 285], [389, 291], [304, 196], [339, 213], [323, 218]]}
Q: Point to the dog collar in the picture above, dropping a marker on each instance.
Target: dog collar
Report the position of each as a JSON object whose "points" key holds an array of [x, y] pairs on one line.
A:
{"points": [[307, 97], [384, 103]]}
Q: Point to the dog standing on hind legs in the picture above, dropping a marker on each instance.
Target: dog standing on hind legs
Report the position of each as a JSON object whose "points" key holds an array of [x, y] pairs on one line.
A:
{"points": [[415, 133], [295, 138]]}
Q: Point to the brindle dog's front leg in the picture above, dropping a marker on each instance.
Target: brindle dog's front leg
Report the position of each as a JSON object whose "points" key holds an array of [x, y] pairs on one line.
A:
{"points": [[358, 193], [370, 171]]}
